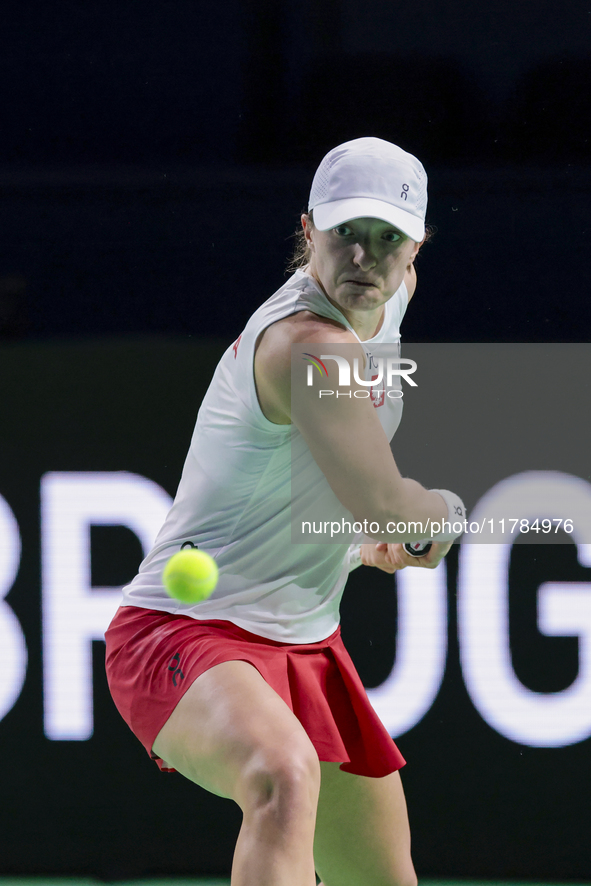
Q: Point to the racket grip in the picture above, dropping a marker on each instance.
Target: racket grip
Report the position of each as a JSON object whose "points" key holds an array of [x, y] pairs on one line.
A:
{"points": [[417, 548]]}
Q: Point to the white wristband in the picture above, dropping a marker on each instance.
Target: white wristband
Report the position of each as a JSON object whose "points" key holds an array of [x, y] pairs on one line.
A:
{"points": [[353, 558], [454, 525]]}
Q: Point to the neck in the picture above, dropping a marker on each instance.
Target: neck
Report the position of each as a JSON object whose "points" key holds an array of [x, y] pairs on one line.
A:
{"points": [[365, 323]]}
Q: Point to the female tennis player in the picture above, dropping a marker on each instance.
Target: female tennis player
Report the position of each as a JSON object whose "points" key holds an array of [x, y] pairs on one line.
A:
{"points": [[251, 693]]}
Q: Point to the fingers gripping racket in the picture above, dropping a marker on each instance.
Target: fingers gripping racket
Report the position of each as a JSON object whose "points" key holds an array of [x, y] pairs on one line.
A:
{"points": [[414, 548]]}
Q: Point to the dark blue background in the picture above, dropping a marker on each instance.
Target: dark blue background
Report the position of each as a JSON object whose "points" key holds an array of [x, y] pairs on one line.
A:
{"points": [[154, 158]]}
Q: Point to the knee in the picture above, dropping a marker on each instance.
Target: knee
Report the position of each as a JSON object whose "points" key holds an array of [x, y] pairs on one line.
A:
{"points": [[283, 781], [402, 875], [408, 878]]}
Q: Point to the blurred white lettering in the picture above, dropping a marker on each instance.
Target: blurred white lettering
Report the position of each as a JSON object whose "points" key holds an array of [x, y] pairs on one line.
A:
{"points": [[74, 613], [538, 719], [403, 699], [13, 650]]}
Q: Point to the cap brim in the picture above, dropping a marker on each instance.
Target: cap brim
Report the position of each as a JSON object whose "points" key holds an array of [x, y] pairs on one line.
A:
{"points": [[330, 215]]}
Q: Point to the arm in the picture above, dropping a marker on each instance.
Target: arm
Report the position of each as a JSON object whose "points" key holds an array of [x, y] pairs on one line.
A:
{"points": [[345, 436]]}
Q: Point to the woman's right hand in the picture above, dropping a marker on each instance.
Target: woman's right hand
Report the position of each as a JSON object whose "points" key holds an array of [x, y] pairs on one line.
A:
{"points": [[392, 557]]}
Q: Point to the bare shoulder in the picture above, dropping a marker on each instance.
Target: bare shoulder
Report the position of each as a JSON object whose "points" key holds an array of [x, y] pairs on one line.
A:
{"points": [[300, 328], [272, 361]]}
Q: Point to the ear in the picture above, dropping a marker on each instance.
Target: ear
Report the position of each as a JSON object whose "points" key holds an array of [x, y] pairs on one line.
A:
{"points": [[308, 228], [415, 251]]}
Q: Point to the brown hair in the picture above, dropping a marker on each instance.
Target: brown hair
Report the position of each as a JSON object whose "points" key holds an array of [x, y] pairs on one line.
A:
{"points": [[300, 256]]}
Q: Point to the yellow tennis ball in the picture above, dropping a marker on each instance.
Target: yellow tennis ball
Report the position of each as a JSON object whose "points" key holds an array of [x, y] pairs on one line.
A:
{"points": [[190, 575]]}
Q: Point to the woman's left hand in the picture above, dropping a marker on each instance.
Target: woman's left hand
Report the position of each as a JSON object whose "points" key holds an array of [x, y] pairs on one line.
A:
{"points": [[392, 557]]}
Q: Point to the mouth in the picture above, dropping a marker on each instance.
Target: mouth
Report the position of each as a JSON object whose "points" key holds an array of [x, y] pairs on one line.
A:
{"points": [[365, 284]]}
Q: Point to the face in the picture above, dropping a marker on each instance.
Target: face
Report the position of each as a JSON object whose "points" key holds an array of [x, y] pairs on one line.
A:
{"points": [[360, 264]]}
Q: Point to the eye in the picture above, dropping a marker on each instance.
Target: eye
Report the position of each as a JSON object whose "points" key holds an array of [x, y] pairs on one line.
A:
{"points": [[392, 236], [343, 231]]}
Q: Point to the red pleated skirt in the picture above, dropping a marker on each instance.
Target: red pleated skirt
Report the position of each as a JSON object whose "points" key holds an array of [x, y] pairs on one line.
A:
{"points": [[153, 657]]}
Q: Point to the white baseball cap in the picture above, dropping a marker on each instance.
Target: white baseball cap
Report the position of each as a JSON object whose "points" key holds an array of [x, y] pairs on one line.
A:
{"points": [[370, 178]]}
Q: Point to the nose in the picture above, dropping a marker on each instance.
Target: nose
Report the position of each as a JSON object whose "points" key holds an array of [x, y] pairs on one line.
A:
{"points": [[364, 257]]}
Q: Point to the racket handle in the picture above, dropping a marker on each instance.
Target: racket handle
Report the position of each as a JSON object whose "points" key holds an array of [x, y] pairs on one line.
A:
{"points": [[417, 548]]}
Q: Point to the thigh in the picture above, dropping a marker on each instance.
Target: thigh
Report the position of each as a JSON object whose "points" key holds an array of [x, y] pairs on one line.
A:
{"points": [[227, 717], [362, 833]]}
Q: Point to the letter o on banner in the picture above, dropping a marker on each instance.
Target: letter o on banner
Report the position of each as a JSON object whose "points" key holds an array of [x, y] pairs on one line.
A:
{"points": [[13, 649], [531, 718]]}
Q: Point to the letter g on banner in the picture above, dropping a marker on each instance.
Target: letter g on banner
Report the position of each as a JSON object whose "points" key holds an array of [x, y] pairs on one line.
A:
{"points": [[537, 719]]}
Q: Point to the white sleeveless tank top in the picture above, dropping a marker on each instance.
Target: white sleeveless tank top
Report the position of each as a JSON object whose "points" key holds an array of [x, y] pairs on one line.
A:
{"points": [[233, 500]]}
